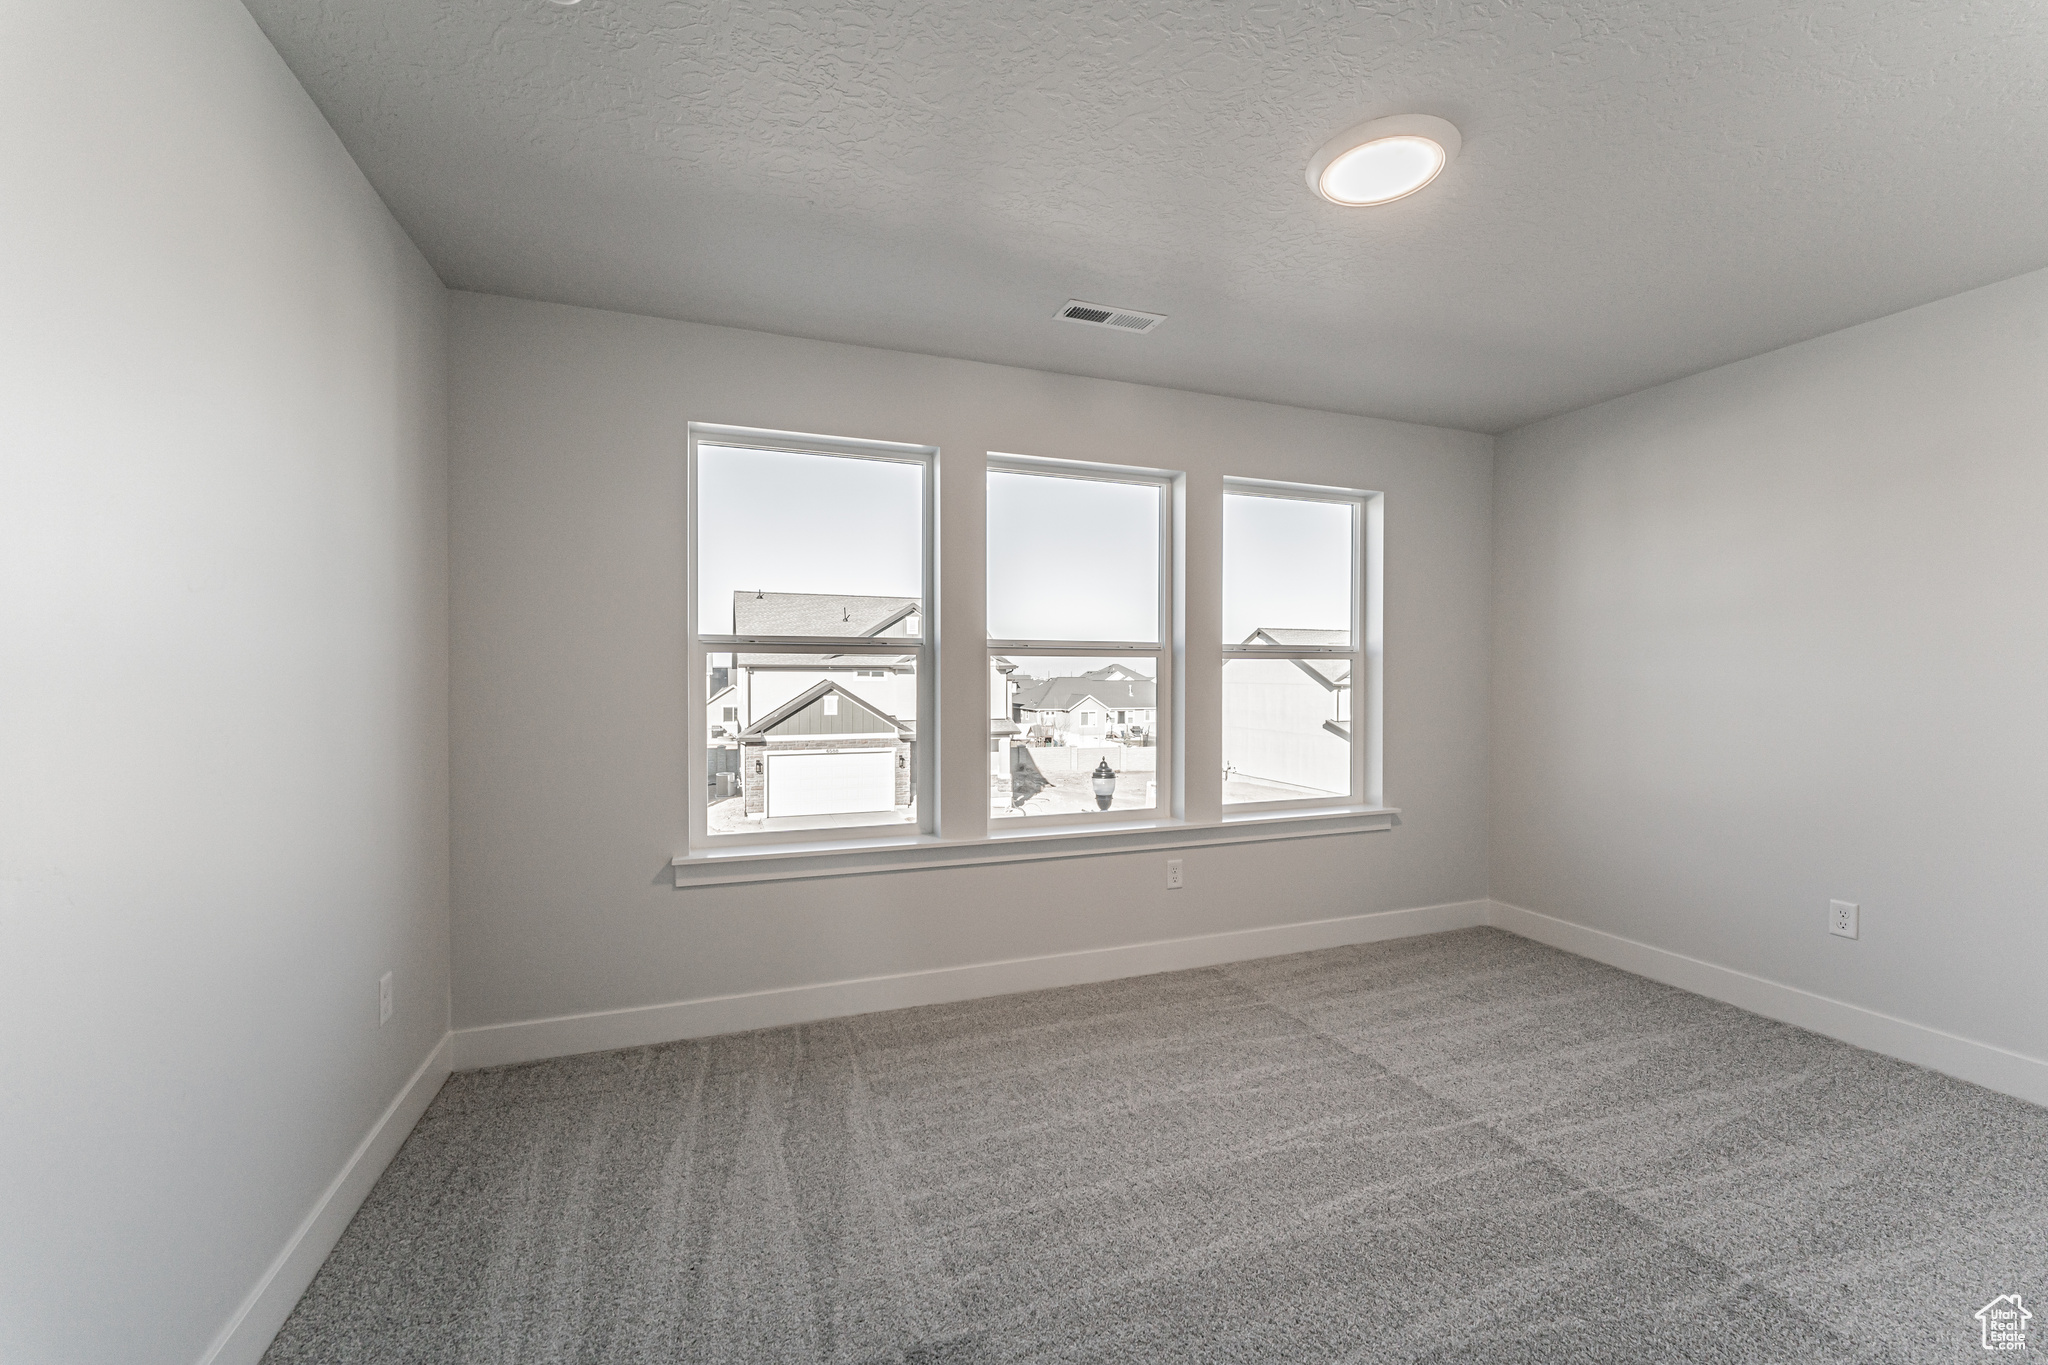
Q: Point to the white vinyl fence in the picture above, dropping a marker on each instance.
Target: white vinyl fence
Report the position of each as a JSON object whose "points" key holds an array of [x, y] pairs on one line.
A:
{"points": [[1059, 760]]}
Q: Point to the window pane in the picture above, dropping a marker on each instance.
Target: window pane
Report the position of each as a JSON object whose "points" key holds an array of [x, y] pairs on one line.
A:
{"points": [[1072, 559], [808, 544], [1055, 723], [1286, 729], [1286, 570], [810, 741]]}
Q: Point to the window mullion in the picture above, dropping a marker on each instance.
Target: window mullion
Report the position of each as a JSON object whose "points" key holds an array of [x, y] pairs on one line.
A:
{"points": [[1072, 648]]}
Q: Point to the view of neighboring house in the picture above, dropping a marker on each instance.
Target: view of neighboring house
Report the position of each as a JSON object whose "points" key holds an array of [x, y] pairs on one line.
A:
{"points": [[765, 681], [1002, 727], [1108, 714], [825, 751], [807, 735], [1107, 705], [722, 712], [1287, 722]]}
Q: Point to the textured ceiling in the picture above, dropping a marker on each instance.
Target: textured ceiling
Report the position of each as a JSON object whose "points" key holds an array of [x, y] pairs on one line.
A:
{"points": [[1647, 188]]}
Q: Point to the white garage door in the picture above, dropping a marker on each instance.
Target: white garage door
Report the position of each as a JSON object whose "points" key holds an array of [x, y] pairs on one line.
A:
{"points": [[831, 784]]}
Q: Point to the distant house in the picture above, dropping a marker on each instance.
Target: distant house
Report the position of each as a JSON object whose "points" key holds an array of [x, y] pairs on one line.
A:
{"points": [[1117, 673], [825, 751], [1002, 689], [1091, 709], [722, 713], [1002, 729], [1288, 721]]}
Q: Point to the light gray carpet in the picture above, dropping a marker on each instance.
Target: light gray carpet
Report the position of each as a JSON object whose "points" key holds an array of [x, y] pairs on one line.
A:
{"points": [[1464, 1147]]}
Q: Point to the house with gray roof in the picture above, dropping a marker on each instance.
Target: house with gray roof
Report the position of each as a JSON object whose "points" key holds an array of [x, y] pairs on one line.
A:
{"points": [[1089, 709], [750, 722], [753, 685]]}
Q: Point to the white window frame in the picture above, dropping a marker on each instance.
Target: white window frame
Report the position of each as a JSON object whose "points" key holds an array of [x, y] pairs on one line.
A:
{"points": [[1366, 652], [1166, 804], [698, 647]]}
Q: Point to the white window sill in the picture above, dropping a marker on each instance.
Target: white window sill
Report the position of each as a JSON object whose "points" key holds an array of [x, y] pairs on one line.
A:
{"points": [[852, 858]]}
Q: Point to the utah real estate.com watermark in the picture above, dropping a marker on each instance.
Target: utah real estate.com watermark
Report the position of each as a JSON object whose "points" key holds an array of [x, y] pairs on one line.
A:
{"points": [[2004, 1321]]}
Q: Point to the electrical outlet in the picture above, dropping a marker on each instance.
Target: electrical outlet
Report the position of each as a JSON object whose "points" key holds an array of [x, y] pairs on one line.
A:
{"points": [[383, 1000], [1842, 917], [1173, 874]]}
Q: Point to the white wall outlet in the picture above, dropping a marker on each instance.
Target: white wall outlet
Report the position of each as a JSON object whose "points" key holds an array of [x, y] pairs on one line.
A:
{"points": [[1842, 917], [1173, 874], [383, 1000]]}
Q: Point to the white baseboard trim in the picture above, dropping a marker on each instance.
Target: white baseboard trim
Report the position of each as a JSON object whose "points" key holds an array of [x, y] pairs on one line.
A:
{"points": [[538, 1039], [1985, 1064], [249, 1332]]}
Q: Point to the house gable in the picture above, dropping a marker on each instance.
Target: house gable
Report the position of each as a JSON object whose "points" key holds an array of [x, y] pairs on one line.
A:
{"points": [[906, 620], [823, 709]]}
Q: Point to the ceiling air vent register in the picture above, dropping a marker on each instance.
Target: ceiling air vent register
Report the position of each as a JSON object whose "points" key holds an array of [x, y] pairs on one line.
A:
{"points": [[1102, 315]]}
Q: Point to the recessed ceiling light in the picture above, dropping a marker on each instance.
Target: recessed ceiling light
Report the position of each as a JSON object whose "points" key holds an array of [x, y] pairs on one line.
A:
{"points": [[1383, 160]]}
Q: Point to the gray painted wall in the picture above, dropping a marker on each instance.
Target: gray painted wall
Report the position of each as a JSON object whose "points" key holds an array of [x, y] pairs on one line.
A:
{"points": [[569, 724], [222, 671], [1761, 637], [1773, 635]]}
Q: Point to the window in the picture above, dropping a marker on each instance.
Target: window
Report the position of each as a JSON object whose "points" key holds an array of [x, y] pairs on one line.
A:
{"points": [[1295, 646], [810, 579], [1078, 619], [810, 655]]}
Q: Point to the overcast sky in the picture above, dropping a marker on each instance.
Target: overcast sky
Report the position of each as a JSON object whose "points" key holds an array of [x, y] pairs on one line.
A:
{"points": [[804, 523], [1072, 559], [1069, 559], [1286, 563]]}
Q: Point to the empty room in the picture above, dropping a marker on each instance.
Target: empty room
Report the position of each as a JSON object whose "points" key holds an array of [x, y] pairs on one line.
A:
{"points": [[943, 683]]}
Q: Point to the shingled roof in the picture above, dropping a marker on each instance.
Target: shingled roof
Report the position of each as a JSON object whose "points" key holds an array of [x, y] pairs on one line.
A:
{"points": [[1061, 694], [814, 613], [818, 613]]}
